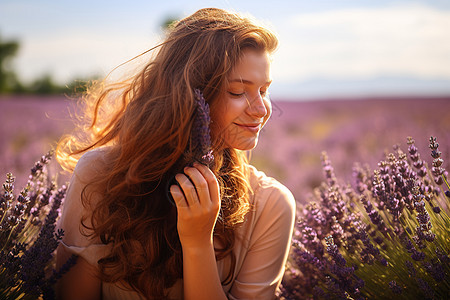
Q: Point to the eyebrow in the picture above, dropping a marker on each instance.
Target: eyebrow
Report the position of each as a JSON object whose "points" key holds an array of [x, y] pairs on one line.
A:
{"points": [[244, 81]]}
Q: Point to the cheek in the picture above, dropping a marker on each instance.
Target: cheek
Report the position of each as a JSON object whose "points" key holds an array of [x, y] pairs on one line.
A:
{"points": [[230, 111], [215, 125], [218, 119]]}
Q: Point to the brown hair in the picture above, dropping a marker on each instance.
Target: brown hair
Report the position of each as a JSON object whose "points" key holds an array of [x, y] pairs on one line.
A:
{"points": [[147, 121]]}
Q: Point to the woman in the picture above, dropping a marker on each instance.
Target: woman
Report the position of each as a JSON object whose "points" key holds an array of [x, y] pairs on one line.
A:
{"points": [[227, 232]]}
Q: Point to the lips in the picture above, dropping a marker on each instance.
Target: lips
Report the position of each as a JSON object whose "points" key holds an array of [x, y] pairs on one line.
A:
{"points": [[253, 127]]}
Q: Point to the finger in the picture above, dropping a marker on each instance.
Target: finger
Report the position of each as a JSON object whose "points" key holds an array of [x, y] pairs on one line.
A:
{"points": [[200, 183], [188, 189], [178, 196], [213, 185]]}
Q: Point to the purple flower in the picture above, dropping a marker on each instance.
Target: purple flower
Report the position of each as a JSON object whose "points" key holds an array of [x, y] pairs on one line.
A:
{"points": [[328, 169], [425, 287], [8, 196], [39, 166], [361, 178], [200, 137], [34, 260], [435, 269], [417, 255], [410, 267], [396, 289], [319, 293], [309, 233], [442, 256], [438, 171], [26, 268], [332, 249], [422, 172], [383, 218]]}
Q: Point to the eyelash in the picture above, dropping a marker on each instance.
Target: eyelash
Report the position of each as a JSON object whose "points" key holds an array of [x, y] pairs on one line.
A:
{"points": [[236, 95], [262, 93]]}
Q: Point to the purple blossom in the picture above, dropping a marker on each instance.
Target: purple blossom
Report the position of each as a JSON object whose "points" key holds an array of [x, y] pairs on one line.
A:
{"points": [[442, 256], [435, 269], [26, 267], [34, 260], [426, 289], [328, 169], [438, 177], [8, 196], [319, 293], [38, 167], [436, 209], [309, 233], [422, 172], [332, 249], [417, 255], [384, 219], [361, 178], [396, 289], [438, 171], [410, 267], [200, 137]]}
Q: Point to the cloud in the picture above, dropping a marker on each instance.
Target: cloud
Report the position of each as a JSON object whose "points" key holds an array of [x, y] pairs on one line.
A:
{"points": [[405, 40]]}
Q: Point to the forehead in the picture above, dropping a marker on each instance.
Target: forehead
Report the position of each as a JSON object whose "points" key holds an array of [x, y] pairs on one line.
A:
{"points": [[252, 66]]}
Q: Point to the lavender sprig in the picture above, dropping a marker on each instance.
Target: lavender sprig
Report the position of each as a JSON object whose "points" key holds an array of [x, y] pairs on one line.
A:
{"points": [[28, 238], [440, 174], [201, 138]]}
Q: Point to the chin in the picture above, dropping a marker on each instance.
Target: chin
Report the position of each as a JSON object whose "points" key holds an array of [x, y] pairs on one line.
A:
{"points": [[246, 145]]}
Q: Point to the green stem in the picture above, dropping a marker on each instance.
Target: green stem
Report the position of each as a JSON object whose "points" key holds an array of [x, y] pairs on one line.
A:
{"points": [[446, 181], [9, 236], [3, 217]]}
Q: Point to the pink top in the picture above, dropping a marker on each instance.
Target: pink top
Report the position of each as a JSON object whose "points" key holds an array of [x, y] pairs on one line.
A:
{"points": [[262, 241]]}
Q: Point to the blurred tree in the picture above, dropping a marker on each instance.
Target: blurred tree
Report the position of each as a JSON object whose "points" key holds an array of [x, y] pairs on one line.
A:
{"points": [[45, 85], [168, 22], [8, 79], [78, 86]]}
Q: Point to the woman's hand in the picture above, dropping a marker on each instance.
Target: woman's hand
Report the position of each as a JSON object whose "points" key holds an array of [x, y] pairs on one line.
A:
{"points": [[198, 204]]}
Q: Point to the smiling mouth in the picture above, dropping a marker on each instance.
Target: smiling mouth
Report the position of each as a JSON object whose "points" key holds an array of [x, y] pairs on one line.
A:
{"points": [[250, 127]]}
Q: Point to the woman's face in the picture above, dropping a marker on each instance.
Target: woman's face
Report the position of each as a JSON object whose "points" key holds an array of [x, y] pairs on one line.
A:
{"points": [[244, 107]]}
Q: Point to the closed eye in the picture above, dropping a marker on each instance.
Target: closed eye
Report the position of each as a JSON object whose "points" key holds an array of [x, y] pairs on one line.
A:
{"points": [[236, 95]]}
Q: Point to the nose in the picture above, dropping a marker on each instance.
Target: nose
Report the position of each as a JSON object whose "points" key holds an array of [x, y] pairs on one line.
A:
{"points": [[257, 107]]}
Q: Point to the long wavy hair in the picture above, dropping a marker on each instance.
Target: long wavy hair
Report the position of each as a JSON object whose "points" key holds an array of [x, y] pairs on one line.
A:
{"points": [[146, 121]]}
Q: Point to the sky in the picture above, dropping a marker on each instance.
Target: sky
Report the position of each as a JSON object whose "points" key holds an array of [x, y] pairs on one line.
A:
{"points": [[328, 49]]}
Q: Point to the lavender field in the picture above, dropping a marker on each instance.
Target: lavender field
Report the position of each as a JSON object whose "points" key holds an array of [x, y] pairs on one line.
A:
{"points": [[31, 126], [290, 145], [350, 131]]}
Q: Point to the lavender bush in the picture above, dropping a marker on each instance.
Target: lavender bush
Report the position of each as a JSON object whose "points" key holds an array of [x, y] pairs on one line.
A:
{"points": [[28, 237], [384, 238]]}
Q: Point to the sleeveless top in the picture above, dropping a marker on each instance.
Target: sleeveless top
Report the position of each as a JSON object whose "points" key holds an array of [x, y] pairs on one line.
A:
{"points": [[262, 240]]}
